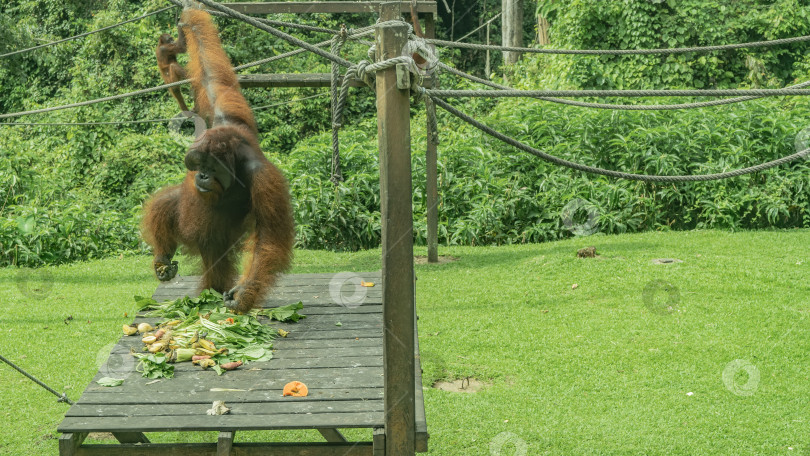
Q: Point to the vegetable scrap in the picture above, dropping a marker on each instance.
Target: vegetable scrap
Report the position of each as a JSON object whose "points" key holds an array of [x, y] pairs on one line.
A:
{"points": [[297, 389], [285, 313], [218, 408], [110, 382], [204, 332]]}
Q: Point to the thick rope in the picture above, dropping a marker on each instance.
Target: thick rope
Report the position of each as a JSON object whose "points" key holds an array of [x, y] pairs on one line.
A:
{"points": [[277, 33], [128, 122], [355, 34], [88, 33], [615, 93], [54, 124], [337, 43], [606, 172], [153, 89], [62, 396], [583, 104], [493, 47]]}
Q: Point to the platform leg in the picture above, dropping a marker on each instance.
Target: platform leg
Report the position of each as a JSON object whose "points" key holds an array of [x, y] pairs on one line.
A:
{"points": [[378, 441], [131, 437], [224, 443], [69, 443], [332, 435]]}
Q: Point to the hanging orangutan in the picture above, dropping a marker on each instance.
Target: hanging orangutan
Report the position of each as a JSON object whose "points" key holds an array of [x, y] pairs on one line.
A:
{"points": [[230, 189], [171, 71]]}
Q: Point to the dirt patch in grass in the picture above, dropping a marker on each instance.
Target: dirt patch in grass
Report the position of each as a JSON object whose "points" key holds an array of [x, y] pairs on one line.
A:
{"points": [[101, 436], [464, 385], [443, 259]]}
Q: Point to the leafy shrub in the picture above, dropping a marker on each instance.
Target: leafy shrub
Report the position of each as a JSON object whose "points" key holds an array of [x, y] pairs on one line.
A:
{"points": [[492, 194], [71, 231]]}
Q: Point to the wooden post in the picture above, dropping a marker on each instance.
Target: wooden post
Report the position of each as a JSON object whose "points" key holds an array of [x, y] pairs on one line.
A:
{"points": [[393, 124], [542, 30], [512, 34], [431, 166]]}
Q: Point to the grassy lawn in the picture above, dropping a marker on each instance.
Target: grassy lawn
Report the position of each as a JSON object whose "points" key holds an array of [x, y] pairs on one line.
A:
{"points": [[711, 359]]}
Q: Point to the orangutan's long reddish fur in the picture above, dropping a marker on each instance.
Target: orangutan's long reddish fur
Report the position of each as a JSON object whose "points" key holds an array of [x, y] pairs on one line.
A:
{"points": [[171, 71], [183, 215]]}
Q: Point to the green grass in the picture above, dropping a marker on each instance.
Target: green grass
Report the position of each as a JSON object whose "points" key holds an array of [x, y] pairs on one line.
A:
{"points": [[590, 370]]}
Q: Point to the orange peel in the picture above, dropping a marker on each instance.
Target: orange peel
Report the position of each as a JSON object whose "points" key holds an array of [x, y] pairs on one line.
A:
{"points": [[295, 389]]}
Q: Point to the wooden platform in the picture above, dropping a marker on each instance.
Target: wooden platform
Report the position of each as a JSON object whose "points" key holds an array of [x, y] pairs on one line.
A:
{"points": [[342, 366]]}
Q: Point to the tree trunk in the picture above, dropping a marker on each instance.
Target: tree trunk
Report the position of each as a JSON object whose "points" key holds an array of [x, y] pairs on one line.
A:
{"points": [[512, 28], [542, 30]]}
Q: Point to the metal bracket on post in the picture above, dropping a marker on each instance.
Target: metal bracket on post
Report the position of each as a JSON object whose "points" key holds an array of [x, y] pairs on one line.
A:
{"points": [[403, 76]]}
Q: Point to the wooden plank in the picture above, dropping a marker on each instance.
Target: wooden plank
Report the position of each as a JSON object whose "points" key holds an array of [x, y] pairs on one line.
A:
{"points": [[308, 352], [316, 322], [331, 343], [320, 277], [243, 408], [199, 381], [207, 397], [239, 449], [335, 352], [340, 310], [272, 301], [393, 121], [253, 372], [220, 423], [337, 7]]}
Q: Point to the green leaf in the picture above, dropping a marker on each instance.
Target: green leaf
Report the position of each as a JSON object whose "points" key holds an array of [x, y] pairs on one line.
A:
{"points": [[285, 313], [109, 381]]}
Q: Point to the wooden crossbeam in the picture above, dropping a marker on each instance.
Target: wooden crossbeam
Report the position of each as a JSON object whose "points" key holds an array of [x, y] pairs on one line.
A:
{"points": [[291, 80]]}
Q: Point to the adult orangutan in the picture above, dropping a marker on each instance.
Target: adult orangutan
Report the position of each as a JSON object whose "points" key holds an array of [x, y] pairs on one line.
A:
{"points": [[230, 189], [171, 71]]}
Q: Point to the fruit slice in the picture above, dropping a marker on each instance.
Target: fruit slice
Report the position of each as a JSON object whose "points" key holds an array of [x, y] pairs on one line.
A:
{"points": [[295, 389]]}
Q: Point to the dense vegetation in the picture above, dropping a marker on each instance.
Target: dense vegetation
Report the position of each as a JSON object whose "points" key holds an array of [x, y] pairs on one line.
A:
{"points": [[75, 192]]}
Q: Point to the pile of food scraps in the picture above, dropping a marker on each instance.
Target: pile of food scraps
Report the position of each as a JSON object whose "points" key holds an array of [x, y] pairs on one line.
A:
{"points": [[204, 332]]}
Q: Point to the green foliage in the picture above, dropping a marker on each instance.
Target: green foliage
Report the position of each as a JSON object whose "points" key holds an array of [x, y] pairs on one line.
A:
{"points": [[640, 24], [491, 194], [68, 230], [73, 193]]}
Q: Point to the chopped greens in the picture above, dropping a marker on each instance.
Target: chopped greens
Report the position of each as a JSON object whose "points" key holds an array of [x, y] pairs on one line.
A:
{"points": [[154, 365], [285, 313], [203, 327]]}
